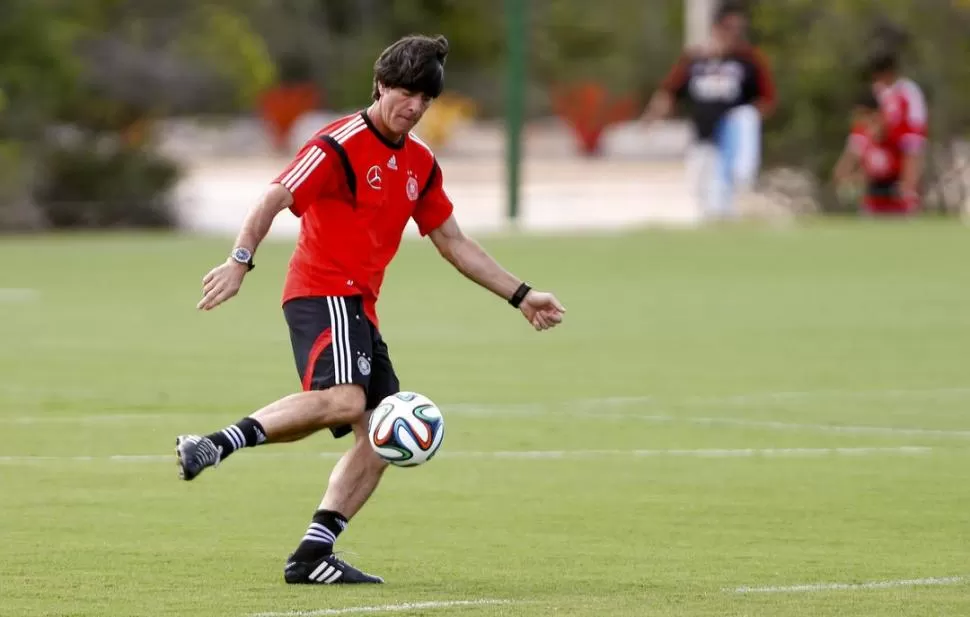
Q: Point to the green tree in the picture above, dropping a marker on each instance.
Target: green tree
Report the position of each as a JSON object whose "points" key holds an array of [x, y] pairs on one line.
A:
{"points": [[104, 69], [37, 71]]}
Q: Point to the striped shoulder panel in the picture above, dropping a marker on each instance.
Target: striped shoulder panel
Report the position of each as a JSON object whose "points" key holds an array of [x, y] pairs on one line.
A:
{"points": [[337, 136], [303, 168]]}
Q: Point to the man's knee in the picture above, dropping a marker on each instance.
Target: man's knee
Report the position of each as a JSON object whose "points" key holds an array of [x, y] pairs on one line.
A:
{"points": [[341, 405]]}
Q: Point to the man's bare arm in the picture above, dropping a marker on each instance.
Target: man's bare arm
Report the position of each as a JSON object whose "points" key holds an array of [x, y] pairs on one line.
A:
{"points": [[846, 166], [223, 281], [261, 216], [469, 258], [660, 106], [541, 309]]}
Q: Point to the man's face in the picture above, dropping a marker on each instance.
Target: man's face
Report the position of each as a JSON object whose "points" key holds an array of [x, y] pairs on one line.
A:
{"points": [[732, 30], [401, 110], [882, 80]]}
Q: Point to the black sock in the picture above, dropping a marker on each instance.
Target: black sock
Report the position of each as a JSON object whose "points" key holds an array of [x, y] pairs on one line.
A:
{"points": [[243, 434], [320, 536]]}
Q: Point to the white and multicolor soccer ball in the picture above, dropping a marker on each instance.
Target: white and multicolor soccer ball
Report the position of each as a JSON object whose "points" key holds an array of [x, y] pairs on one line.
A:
{"points": [[406, 429]]}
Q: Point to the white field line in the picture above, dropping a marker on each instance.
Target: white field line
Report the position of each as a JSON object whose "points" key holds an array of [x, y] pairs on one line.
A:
{"points": [[387, 608], [525, 454], [815, 587], [17, 294], [830, 428], [602, 408], [741, 400], [484, 410], [106, 418], [777, 425]]}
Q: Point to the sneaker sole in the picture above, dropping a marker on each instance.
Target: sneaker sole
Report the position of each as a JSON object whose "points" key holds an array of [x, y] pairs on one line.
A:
{"points": [[306, 581]]}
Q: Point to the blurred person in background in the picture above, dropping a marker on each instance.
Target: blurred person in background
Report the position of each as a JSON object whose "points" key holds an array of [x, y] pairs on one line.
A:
{"points": [[905, 114], [728, 90], [869, 163], [887, 140]]}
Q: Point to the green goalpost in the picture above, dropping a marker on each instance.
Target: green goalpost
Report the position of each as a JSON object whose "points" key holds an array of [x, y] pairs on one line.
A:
{"points": [[515, 15], [697, 23]]}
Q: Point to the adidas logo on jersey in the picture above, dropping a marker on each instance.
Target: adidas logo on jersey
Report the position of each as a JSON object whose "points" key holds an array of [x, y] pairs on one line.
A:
{"points": [[392, 162]]}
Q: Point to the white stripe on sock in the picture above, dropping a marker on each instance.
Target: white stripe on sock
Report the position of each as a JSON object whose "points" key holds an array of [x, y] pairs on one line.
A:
{"points": [[240, 436], [312, 536], [320, 528], [231, 436]]}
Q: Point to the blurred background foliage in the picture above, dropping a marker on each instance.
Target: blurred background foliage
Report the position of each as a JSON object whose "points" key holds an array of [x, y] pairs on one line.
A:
{"points": [[82, 82]]}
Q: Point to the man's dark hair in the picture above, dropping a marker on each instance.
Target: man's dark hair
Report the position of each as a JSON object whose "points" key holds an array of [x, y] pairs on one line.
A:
{"points": [[728, 8], [866, 99], [415, 63], [882, 60]]}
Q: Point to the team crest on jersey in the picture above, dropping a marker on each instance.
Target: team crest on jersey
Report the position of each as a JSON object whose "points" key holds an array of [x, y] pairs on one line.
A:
{"points": [[363, 365], [412, 187]]}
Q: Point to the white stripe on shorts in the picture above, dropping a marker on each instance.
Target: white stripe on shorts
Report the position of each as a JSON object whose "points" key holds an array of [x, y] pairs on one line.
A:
{"points": [[341, 340]]}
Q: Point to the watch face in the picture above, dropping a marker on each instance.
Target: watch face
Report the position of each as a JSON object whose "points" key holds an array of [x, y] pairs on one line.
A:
{"points": [[241, 255]]}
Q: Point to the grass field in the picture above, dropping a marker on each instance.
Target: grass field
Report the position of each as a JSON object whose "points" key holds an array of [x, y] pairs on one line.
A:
{"points": [[730, 423]]}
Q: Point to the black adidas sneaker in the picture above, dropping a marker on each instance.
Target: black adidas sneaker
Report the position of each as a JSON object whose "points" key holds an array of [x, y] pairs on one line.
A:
{"points": [[328, 570], [195, 453]]}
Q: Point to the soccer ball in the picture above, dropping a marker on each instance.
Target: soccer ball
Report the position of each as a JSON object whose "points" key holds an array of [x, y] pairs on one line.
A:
{"points": [[406, 429]]}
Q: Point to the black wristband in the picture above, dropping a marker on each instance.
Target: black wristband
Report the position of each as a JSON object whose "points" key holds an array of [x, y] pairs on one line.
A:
{"points": [[519, 295]]}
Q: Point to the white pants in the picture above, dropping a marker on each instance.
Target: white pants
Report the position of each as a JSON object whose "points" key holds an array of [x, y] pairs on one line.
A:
{"points": [[719, 169]]}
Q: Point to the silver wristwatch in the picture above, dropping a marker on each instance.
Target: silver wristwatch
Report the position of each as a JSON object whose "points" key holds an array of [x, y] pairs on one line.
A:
{"points": [[242, 255]]}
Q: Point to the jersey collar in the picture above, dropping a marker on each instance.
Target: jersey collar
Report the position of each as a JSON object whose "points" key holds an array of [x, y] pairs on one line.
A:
{"points": [[384, 140]]}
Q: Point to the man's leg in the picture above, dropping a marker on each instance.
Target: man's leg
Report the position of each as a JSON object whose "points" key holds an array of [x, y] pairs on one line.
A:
{"points": [[746, 155], [326, 334], [355, 477], [352, 481], [700, 170], [289, 419], [743, 158]]}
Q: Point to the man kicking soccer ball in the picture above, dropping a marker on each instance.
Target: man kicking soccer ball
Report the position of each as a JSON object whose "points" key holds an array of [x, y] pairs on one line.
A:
{"points": [[355, 185]]}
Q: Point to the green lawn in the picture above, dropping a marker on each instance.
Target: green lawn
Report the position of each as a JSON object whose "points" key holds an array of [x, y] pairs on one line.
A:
{"points": [[723, 409]]}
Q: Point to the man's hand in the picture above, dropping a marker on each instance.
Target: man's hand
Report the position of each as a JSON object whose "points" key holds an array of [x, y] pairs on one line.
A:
{"points": [[221, 283], [659, 106], [542, 309]]}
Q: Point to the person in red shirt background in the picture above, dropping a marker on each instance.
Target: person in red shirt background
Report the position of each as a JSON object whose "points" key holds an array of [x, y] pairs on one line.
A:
{"points": [[354, 185], [888, 140]]}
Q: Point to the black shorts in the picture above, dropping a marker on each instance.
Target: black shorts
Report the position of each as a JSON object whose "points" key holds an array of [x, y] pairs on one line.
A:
{"points": [[335, 343]]}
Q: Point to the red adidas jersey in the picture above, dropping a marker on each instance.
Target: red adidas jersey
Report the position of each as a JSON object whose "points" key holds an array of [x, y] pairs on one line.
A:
{"points": [[355, 192], [904, 108]]}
